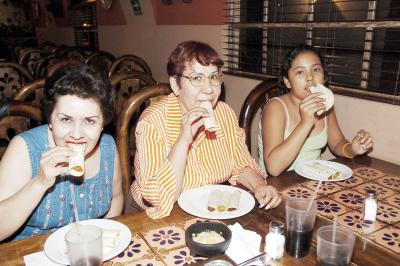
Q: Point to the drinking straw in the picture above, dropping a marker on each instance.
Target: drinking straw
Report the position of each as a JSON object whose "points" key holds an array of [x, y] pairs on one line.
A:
{"points": [[334, 228], [314, 195], [71, 186]]}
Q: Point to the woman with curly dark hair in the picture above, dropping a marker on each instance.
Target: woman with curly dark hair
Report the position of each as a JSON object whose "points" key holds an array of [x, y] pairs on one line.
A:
{"points": [[36, 173]]}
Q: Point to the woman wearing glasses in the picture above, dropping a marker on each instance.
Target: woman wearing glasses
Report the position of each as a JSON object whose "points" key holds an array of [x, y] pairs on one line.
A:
{"points": [[176, 153]]}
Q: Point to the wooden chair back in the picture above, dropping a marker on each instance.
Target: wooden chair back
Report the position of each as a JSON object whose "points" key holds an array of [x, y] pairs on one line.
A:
{"points": [[16, 117], [45, 63], [100, 61], [29, 58], [60, 64], [31, 92], [129, 63], [12, 77], [254, 102], [124, 135]]}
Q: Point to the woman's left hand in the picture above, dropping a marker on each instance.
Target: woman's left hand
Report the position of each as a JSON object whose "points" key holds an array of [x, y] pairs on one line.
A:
{"points": [[267, 196], [362, 142]]}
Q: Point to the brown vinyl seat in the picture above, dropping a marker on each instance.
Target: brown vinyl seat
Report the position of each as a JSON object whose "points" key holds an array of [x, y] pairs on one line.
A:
{"points": [[31, 92], [16, 117], [125, 138], [129, 63], [254, 102], [12, 77]]}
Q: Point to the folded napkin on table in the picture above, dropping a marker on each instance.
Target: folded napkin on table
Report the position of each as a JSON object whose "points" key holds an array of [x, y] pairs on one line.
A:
{"points": [[39, 259], [245, 244]]}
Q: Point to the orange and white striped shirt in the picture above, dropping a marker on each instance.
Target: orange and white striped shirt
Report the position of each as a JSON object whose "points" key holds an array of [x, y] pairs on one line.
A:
{"points": [[210, 160]]}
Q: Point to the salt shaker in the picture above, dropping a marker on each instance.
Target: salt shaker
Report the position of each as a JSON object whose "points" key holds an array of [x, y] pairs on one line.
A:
{"points": [[275, 241], [370, 206]]}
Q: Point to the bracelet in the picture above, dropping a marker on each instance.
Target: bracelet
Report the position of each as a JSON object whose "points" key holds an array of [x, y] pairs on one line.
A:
{"points": [[344, 152]]}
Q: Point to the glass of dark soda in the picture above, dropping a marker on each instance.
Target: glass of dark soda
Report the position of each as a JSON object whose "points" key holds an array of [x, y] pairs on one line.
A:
{"points": [[84, 245], [300, 219]]}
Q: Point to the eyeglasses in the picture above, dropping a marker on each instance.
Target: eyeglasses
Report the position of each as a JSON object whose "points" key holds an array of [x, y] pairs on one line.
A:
{"points": [[198, 79]]}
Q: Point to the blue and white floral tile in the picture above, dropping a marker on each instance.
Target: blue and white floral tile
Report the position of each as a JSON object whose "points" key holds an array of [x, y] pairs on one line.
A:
{"points": [[326, 188], [390, 181], [388, 237], [167, 237], [182, 256], [368, 173], [381, 191], [351, 182], [328, 208], [297, 191], [349, 198], [355, 222], [388, 213]]}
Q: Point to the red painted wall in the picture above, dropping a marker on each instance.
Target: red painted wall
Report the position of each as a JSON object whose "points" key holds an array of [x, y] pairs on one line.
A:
{"points": [[199, 12]]}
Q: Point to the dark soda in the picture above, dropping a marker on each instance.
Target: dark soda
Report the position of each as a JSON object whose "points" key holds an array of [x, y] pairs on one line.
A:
{"points": [[91, 261], [298, 243]]}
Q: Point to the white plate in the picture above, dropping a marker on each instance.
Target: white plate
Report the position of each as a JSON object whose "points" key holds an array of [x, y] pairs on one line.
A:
{"points": [[345, 170], [194, 201], [56, 247]]}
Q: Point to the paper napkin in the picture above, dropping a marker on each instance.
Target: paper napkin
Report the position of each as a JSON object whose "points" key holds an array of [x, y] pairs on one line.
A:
{"points": [[245, 244], [39, 259]]}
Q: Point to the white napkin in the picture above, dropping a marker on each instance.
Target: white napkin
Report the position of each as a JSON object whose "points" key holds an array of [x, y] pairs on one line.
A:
{"points": [[39, 259], [245, 244]]}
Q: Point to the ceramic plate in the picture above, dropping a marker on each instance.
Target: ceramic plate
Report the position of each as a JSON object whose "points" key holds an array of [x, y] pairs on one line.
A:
{"points": [[317, 169], [194, 201], [56, 247]]}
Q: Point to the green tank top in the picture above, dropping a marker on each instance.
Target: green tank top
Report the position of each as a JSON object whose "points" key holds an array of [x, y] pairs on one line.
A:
{"points": [[311, 149]]}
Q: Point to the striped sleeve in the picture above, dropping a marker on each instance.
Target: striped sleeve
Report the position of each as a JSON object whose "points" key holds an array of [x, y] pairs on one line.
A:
{"points": [[155, 178]]}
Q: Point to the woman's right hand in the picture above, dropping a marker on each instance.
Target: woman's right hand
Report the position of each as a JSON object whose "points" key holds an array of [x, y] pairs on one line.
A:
{"points": [[191, 122], [53, 163], [309, 106]]}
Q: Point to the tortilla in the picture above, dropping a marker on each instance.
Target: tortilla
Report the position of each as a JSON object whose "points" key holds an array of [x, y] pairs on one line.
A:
{"points": [[326, 94], [209, 121], [224, 201], [234, 201], [110, 237], [324, 171], [77, 161], [213, 200]]}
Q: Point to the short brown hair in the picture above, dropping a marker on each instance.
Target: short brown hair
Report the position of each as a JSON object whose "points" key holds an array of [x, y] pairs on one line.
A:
{"points": [[187, 52]]}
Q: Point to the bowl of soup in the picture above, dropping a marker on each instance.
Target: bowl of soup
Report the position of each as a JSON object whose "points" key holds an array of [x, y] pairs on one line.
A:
{"points": [[208, 238]]}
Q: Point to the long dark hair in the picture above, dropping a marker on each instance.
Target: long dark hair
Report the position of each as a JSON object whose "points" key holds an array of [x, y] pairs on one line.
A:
{"points": [[291, 56]]}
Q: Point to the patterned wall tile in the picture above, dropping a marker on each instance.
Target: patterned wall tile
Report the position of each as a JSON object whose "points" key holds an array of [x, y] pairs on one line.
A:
{"points": [[354, 220], [368, 173], [326, 188], [328, 208], [388, 237], [381, 191], [349, 198], [390, 181], [297, 191], [137, 250]]}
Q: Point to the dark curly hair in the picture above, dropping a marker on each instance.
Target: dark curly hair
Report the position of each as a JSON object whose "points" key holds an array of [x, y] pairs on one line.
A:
{"points": [[291, 56], [187, 52], [81, 81]]}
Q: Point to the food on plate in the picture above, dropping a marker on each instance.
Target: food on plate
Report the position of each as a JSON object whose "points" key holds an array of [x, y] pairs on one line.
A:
{"points": [[213, 200], [209, 121], [323, 171], [326, 94], [77, 161], [223, 201], [110, 237], [208, 237]]}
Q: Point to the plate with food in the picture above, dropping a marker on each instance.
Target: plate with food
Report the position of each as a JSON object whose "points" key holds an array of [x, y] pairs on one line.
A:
{"points": [[323, 170], [216, 202], [116, 237]]}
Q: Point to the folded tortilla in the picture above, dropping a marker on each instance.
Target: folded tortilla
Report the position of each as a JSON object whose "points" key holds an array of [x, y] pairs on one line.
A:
{"points": [[224, 201], [213, 200], [77, 161], [234, 201], [322, 171], [110, 237], [326, 94], [209, 121]]}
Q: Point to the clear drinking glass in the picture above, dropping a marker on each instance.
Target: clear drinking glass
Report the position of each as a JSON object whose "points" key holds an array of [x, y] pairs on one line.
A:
{"points": [[300, 224], [334, 248], [85, 245]]}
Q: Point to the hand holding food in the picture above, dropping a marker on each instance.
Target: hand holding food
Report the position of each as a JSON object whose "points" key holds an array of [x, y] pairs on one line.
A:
{"points": [[77, 161], [326, 94], [209, 121]]}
